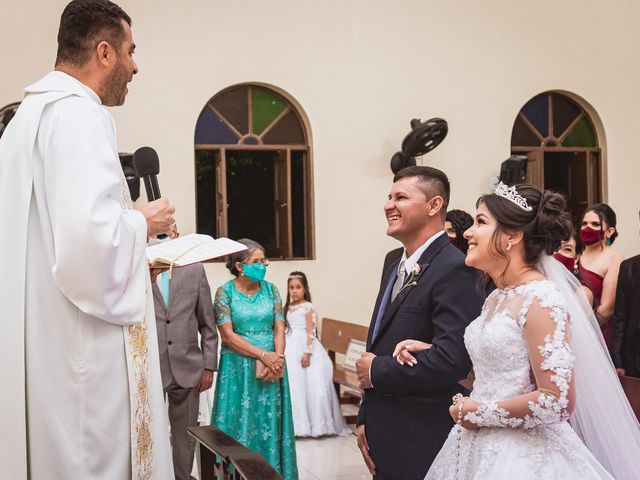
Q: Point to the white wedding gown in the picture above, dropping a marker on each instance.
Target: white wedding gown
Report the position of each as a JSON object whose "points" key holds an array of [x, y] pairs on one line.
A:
{"points": [[316, 411], [522, 384]]}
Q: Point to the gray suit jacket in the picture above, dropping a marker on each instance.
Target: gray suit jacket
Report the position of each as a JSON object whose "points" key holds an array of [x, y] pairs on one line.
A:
{"points": [[190, 310]]}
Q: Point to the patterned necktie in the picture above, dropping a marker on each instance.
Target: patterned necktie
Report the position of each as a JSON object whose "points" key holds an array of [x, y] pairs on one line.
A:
{"points": [[399, 282]]}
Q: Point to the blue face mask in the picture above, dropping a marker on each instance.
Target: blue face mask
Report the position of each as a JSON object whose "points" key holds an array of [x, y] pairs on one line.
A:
{"points": [[254, 271]]}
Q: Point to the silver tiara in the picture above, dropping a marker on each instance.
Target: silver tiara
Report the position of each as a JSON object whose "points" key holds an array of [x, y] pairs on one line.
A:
{"points": [[511, 194]]}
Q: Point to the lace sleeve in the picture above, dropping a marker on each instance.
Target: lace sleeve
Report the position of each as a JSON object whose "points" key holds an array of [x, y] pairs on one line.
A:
{"points": [[546, 331], [222, 307], [311, 318], [278, 312]]}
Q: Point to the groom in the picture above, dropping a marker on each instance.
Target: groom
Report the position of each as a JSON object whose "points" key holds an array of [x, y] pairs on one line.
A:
{"points": [[430, 295]]}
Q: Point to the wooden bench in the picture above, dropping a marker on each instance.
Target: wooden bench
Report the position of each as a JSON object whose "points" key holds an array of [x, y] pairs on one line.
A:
{"points": [[631, 387], [335, 338]]}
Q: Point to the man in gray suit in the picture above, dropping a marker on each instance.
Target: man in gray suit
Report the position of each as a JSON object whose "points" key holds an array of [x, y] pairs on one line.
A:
{"points": [[184, 308]]}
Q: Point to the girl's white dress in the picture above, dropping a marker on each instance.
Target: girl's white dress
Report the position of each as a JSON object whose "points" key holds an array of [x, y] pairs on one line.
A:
{"points": [[316, 410], [522, 388]]}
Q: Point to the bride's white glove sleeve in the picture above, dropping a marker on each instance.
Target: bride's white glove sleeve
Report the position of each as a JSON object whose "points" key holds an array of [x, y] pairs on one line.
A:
{"points": [[546, 330]]}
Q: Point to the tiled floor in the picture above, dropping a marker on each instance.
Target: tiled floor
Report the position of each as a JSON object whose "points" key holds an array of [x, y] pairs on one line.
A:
{"points": [[332, 458]]}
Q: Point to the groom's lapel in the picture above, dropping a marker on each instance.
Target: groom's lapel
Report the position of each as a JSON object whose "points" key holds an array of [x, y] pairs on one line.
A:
{"points": [[383, 298], [424, 262]]}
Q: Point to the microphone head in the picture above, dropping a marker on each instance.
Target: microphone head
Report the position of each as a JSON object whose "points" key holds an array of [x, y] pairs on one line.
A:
{"points": [[146, 162]]}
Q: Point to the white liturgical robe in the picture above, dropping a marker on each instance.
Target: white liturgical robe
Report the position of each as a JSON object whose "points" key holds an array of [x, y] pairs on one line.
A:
{"points": [[81, 390]]}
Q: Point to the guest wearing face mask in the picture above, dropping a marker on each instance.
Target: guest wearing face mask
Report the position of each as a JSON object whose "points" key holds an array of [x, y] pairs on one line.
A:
{"points": [[252, 402], [599, 263], [568, 255]]}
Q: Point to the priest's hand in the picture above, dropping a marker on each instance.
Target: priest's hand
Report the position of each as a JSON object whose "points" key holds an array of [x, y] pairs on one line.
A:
{"points": [[159, 216], [154, 271], [363, 367], [206, 380]]}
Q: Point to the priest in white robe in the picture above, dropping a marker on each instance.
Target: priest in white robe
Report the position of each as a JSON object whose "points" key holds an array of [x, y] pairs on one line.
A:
{"points": [[81, 389]]}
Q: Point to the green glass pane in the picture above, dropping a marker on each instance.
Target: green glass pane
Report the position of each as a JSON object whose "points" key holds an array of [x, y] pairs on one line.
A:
{"points": [[266, 107], [581, 135]]}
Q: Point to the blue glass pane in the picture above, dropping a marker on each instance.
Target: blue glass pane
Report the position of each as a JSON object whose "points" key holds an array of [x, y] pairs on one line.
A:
{"points": [[211, 130], [537, 112], [250, 141]]}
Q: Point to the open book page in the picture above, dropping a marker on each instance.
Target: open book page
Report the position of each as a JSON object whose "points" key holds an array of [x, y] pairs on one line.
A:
{"points": [[192, 248]]}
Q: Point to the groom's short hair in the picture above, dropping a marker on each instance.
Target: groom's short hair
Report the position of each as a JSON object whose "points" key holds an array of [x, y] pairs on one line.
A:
{"points": [[433, 182]]}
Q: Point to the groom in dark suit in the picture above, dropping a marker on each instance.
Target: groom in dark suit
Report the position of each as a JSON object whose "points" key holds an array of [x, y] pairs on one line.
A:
{"points": [[430, 295]]}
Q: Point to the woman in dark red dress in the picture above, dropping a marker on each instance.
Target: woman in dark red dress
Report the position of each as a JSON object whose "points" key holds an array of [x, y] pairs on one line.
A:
{"points": [[599, 263]]}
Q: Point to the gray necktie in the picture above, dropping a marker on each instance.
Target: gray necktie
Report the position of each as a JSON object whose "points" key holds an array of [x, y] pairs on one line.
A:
{"points": [[399, 282]]}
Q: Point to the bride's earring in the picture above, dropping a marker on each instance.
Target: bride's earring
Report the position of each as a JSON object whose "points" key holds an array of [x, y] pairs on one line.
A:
{"points": [[508, 246]]}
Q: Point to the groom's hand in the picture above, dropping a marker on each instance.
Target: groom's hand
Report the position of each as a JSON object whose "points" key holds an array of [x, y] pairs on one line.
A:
{"points": [[364, 449], [363, 367]]}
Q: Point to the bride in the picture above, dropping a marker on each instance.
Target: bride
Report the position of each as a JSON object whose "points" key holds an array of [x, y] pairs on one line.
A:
{"points": [[546, 402]]}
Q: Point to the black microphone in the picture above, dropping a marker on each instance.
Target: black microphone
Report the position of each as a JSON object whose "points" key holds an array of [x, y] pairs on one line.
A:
{"points": [[147, 165]]}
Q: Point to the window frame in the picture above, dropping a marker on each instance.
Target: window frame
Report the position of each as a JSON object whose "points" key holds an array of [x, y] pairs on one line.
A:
{"points": [[282, 187]]}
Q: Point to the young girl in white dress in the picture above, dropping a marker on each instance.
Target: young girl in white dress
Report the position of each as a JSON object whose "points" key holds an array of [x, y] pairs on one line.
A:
{"points": [[316, 410]]}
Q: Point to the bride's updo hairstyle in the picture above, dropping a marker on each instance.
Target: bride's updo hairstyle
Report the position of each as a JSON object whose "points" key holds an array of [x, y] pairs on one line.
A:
{"points": [[544, 226]]}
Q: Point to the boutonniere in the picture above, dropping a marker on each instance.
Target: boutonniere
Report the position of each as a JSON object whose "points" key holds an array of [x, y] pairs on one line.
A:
{"points": [[412, 281]]}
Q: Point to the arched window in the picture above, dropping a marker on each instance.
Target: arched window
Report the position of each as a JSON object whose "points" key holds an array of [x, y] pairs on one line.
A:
{"points": [[560, 140], [253, 170]]}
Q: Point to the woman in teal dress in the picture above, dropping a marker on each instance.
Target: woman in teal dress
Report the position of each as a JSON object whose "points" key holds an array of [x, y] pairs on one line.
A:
{"points": [[254, 411]]}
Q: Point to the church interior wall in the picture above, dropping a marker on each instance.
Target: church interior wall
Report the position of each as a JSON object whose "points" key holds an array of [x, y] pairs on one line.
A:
{"points": [[361, 69]]}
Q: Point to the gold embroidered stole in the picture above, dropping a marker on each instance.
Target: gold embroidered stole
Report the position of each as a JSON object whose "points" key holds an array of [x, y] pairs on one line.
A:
{"points": [[137, 352]]}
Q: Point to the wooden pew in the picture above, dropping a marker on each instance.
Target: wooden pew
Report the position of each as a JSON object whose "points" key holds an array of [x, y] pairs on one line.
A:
{"points": [[631, 387], [223, 458], [335, 337]]}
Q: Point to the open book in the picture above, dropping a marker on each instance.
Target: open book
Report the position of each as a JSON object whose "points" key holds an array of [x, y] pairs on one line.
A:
{"points": [[192, 248]]}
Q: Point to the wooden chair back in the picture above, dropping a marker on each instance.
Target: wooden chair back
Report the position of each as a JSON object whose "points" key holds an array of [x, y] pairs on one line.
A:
{"points": [[631, 387], [336, 335]]}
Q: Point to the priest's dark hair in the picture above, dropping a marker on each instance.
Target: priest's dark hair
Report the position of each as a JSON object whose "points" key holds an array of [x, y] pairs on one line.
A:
{"points": [[86, 23]]}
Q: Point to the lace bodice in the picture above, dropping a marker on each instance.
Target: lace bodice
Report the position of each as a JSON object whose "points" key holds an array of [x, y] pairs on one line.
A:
{"points": [[521, 357], [297, 316]]}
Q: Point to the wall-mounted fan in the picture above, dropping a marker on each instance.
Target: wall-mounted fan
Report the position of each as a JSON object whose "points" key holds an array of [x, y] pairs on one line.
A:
{"points": [[423, 137], [6, 114]]}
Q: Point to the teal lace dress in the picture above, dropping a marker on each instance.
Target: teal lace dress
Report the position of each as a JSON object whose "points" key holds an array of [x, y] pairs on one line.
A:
{"points": [[255, 413]]}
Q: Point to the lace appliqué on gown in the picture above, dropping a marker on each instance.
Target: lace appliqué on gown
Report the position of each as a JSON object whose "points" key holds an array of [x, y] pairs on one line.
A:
{"points": [[523, 394]]}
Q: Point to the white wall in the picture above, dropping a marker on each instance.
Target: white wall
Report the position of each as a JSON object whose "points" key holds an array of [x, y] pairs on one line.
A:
{"points": [[361, 69]]}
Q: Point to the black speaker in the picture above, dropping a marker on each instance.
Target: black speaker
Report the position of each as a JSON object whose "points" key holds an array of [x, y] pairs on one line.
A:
{"points": [[514, 170], [133, 181]]}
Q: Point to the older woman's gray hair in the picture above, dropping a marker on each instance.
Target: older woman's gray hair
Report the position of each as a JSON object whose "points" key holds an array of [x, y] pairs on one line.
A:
{"points": [[243, 255]]}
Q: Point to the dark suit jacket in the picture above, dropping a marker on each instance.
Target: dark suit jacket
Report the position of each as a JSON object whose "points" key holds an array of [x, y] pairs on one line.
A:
{"points": [[406, 413], [190, 311], [392, 256], [626, 334]]}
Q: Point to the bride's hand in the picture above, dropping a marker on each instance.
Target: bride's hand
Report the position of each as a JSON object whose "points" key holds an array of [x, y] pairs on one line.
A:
{"points": [[468, 406], [402, 352]]}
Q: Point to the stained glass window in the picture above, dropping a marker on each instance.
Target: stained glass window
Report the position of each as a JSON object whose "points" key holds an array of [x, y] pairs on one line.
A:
{"points": [[558, 137], [249, 115], [554, 120], [253, 171]]}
